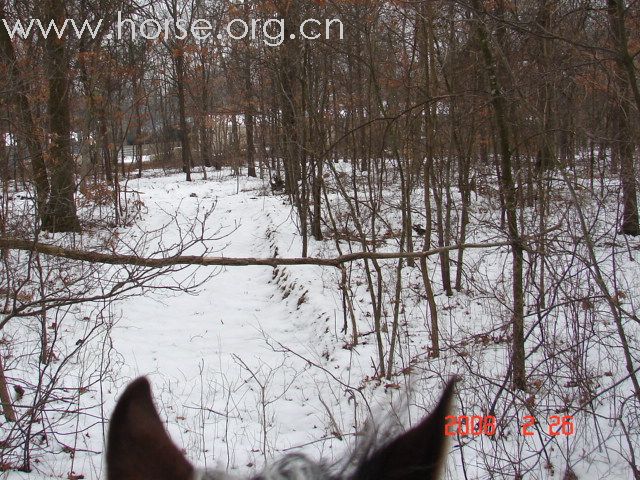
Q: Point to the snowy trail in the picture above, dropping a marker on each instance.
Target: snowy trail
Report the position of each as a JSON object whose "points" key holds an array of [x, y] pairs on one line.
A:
{"points": [[228, 397], [229, 394], [226, 315], [197, 349]]}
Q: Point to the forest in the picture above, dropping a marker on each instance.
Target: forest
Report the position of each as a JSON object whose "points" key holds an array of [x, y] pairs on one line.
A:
{"points": [[299, 218]]}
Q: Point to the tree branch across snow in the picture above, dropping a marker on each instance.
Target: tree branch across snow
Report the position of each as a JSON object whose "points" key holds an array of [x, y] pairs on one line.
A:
{"points": [[161, 262]]}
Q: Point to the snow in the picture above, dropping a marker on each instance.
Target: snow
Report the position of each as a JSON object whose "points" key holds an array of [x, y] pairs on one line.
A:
{"points": [[252, 362], [130, 159], [9, 139], [193, 347]]}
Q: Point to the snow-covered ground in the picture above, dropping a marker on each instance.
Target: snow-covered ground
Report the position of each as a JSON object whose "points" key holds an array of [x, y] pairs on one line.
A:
{"points": [[252, 363], [218, 359]]}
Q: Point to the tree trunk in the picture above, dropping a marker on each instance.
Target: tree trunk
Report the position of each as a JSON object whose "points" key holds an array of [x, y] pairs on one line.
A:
{"points": [[5, 397], [60, 214], [251, 166], [627, 84], [429, 125], [184, 128], [316, 225], [26, 127], [248, 110], [498, 103]]}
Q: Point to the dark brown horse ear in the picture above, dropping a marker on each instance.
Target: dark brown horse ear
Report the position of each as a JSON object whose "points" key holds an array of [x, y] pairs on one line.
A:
{"points": [[138, 446], [417, 454]]}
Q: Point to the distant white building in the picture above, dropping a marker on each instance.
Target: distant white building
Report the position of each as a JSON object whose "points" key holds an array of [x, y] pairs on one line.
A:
{"points": [[9, 139]]}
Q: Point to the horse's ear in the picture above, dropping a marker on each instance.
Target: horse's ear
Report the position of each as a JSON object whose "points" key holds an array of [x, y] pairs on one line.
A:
{"points": [[138, 447], [417, 454]]}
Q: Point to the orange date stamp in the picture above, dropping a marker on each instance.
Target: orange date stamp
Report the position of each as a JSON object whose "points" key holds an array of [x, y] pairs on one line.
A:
{"points": [[476, 425]]}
